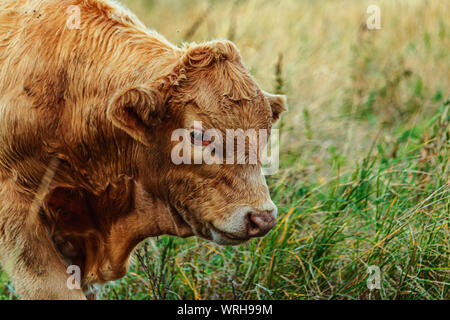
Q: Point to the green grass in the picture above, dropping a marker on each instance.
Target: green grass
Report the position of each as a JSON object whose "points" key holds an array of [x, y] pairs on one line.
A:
{"points": [[364, 175]]}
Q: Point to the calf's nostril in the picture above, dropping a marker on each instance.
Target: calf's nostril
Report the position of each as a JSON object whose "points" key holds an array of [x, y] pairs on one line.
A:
{"points": [[260, 223]]}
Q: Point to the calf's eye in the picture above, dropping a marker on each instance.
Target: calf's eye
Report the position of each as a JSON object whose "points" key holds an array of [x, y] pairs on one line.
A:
{"points": [[198, 138]]}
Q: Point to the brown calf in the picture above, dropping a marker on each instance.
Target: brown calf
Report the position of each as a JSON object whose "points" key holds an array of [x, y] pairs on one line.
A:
{"points": [[86, 117]]}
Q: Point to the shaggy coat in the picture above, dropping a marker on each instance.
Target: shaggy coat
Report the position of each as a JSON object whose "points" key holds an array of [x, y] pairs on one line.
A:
{"points": [[86, 117]]}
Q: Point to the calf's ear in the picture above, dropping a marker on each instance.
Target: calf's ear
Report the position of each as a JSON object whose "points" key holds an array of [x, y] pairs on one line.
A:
{"points": [[135, 110], [277, 103]]}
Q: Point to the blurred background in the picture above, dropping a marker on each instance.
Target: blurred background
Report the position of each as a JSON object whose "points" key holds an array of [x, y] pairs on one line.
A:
{"points": [[364, 174]]}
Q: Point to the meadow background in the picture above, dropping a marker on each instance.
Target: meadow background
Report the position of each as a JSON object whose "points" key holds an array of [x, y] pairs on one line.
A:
{"points": [[364, 173]]}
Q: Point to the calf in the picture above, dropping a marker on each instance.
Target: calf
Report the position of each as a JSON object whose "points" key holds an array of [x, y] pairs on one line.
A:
{"points": [[86, 122]]}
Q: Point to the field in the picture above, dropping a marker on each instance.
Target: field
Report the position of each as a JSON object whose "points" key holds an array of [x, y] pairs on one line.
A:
{"points": [[364, 176]]}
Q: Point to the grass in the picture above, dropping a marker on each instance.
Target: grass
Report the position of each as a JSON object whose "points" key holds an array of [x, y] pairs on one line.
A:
{"points": [[365, 174]]}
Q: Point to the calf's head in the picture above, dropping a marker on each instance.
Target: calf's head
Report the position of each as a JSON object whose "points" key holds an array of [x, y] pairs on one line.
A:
{"points": [[211, 100]]}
